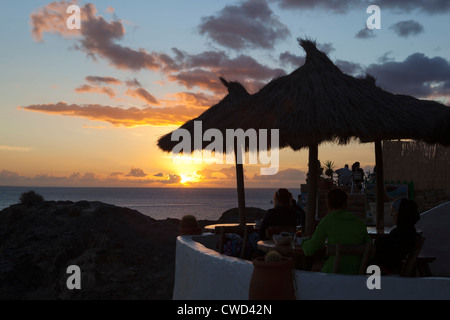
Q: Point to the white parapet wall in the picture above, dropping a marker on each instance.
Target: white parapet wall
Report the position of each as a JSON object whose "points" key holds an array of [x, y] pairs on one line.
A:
{"points": [[204, 274]]}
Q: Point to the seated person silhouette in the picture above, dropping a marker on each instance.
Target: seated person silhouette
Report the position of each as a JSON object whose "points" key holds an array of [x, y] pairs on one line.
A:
{"points": [[283, 214], [393, 248], [338, 226]]}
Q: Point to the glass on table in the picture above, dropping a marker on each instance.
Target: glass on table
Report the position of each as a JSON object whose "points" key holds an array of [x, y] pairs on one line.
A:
{"points": [[298, 238]]}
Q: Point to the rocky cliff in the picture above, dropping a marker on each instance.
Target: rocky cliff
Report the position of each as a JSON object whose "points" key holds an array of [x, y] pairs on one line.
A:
{"points": [[121, 253]]}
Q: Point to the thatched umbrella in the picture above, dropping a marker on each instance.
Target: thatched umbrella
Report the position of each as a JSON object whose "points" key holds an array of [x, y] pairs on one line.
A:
{"points": [[318, 103], [220, 116]]}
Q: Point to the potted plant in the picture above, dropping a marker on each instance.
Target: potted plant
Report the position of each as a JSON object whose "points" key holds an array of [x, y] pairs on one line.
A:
{"points": [[272, 278], [189, 225], [329, 169]]}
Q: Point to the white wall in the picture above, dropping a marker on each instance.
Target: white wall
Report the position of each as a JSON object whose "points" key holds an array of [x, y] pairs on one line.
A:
{"points": [[204, 274]]}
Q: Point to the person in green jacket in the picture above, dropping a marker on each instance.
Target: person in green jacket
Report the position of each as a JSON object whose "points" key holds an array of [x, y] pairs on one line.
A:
{"points": [[339, 226]]}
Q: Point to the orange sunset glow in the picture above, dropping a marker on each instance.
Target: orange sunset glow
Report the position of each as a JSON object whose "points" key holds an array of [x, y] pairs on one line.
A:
{"points": [[85, 107]]}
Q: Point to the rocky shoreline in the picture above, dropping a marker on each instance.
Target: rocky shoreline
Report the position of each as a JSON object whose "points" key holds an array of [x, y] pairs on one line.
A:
{"points": [[121, 253]]}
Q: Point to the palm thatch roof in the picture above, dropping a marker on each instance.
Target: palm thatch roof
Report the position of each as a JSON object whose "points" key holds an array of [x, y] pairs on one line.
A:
{"points": [[318, 102], [220, 116]]}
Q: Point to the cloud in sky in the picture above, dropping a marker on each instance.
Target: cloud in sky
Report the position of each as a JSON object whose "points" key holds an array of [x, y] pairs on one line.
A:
{"points": [[143, 95], [136, 172], [407, 28], [97, 38], [100, 80], [214, 174], [12, 178], [336, 6], [427, 6], [418, 75], [365, 33], [348, 67], [52, 19], [288, 58], [203, 70], [104, 90], [95, 85], [198, 99], [342, 6], [172, 179], [177, 107], [120, 116], [136, 92], [133, 83], [249, 24], [6, 175], [100, 39], [86, 177]]}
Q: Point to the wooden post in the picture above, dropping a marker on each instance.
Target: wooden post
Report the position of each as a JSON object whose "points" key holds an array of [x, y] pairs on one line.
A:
{"points": [[240, 189], [379, 185], [313, 182]]}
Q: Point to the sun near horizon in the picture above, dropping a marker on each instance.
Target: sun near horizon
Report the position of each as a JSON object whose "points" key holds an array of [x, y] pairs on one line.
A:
{"points": [[85, 107]]}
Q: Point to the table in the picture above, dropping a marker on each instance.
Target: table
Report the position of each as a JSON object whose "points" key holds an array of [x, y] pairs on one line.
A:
{"points": [[294, 251], [212, 227], [373, 232], [270, 245], [222, 228]]}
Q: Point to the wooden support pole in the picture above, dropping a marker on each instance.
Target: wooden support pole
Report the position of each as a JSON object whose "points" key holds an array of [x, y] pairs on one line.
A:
{"points": [[379, 185], [240, 189], [313, 182]]}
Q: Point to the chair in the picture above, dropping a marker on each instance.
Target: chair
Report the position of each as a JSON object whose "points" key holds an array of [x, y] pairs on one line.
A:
{"points": [[270, 231], [409, 266], [243, 232], [423, 265], [338, 250]]}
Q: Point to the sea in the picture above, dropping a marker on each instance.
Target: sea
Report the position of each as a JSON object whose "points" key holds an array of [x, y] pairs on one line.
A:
{"points": [[158, 203]]}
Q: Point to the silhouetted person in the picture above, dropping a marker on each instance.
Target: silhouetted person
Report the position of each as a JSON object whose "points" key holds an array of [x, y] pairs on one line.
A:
{"points": [[392, 249], [338, 226], [358, 176], [283, 214], [344, 176]]}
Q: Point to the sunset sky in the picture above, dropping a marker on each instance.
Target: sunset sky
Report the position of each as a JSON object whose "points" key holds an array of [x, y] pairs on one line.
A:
{"points": [[86, 107]]}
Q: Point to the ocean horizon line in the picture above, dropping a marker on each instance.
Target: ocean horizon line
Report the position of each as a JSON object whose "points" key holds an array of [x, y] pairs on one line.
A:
{"points": [[133, 187], [159, 203]]}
